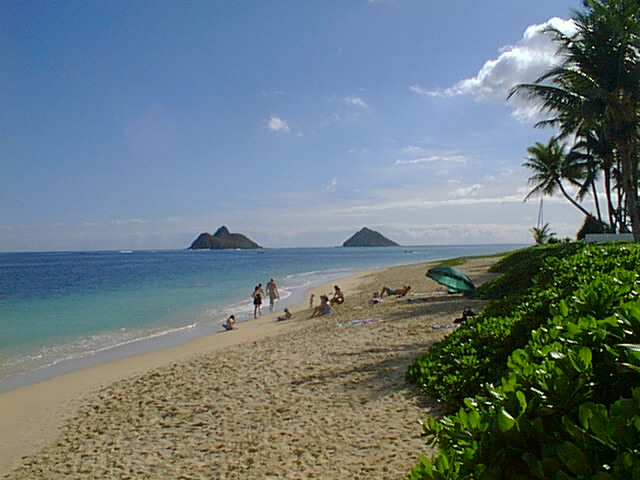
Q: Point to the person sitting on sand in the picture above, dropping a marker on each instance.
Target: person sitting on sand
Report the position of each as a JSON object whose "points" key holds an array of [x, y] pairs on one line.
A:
{"points": [[286, 316], [401, 292], [338, 296], [375, 299], [323, 308], [229, 324], [466, 313]]}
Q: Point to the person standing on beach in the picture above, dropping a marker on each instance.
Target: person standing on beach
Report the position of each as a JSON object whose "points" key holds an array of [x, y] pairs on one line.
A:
{"points": [[257, 295], [272, 291]]}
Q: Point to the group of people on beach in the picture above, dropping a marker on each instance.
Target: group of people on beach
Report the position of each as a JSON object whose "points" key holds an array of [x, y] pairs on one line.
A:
{"points": [[325, 302], [324, 308], [272, 292], [258, 294]]}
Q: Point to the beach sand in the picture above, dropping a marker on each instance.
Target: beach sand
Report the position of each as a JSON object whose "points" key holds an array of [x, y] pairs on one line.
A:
{"points": [[305, 398]]}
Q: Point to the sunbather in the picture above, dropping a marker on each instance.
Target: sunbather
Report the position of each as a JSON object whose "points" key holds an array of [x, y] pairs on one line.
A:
{"points": [[323, 308], [400, 292]]}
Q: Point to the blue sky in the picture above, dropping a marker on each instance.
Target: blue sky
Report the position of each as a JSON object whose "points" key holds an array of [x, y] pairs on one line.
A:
{"points": [[131, 125]]}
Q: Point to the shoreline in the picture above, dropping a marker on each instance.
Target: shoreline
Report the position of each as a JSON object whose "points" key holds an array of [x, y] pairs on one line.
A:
{"points": [[34, 416], [45, 404], [162, 340]]}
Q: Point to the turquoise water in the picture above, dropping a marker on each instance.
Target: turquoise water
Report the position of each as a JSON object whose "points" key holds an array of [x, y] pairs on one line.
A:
{"points": [[65, 310]]}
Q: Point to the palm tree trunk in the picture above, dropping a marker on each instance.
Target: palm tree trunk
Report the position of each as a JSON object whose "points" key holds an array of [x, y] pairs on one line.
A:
{"points": [[596, 201], [573, 202], [607, 192], [629, 163]]}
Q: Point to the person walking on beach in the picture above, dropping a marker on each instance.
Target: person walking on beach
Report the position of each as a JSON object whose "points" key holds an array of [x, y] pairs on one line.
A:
{"points": [[272, 291], [257, 295]]}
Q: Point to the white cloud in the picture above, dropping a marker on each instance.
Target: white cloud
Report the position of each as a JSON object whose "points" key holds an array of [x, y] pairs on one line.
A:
{"points": [[440, 159], [465, 192], [356, 102], [331, 186], [131, 221], [524, 62], [276, 124]]}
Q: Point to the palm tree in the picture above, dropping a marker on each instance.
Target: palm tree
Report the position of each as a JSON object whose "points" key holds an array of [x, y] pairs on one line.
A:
{"points": [[550, 166], [597, 87], [542, 235]]}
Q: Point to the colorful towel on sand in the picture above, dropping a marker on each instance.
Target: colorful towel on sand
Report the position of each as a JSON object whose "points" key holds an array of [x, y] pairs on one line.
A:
{"points": [[448, 325], [358, 322]]}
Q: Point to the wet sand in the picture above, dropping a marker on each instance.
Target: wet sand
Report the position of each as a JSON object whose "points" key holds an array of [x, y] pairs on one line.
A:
{"points": [[305, 398]]}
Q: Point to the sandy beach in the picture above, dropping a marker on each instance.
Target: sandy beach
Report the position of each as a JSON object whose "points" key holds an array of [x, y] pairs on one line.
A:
{"points": [[305, 398]]}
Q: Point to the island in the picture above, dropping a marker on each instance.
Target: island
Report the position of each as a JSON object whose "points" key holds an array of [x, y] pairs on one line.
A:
{"points": [[369, 238], [222, 239]]}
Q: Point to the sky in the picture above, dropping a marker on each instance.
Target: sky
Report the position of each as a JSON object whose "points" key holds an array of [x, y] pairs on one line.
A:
{"points": [[139, 125]]}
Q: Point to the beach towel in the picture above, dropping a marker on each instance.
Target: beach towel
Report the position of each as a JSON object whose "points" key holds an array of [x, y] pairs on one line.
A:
{"points": [[357, 323]]}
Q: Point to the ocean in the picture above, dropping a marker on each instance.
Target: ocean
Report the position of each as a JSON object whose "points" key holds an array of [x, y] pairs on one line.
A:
{"points": [[61, 311]]}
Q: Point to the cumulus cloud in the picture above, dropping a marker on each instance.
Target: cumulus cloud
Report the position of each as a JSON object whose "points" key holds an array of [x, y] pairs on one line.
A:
{"points": [[277, 124], [534, 54], [331, 186]]}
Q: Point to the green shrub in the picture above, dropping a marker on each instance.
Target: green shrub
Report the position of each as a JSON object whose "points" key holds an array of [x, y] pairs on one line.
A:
{"points": [[568, 404]]}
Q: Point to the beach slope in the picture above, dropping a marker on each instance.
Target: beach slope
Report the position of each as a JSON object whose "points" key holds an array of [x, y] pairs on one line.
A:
{"points": [[304, 398]]}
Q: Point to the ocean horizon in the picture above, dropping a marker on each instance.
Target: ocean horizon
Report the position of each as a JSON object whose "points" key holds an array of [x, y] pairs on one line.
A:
{"points": [[62, 311]]}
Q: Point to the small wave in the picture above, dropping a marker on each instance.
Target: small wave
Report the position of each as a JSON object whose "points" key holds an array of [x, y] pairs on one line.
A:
{"points": [[56, 355]]}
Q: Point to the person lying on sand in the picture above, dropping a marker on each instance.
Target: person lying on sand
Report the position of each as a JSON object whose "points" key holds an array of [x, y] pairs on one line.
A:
{"points": [[401, 292], [229, 324], [286, 316], [323, 308]]}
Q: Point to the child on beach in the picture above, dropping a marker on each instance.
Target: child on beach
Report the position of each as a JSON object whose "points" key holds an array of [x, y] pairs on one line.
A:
{"points": [[287, 315], [229, 324]]}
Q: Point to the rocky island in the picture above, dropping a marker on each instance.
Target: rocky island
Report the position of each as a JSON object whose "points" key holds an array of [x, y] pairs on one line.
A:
{"points": [[222, 239], [369, 238]]}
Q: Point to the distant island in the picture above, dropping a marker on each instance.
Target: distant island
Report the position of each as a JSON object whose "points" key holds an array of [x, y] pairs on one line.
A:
{"points": [[222, 239], [369, 238]]}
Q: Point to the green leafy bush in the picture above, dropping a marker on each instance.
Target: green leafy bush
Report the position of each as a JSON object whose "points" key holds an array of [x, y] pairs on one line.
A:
{"points": [[568, 404], [477, 351]]}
